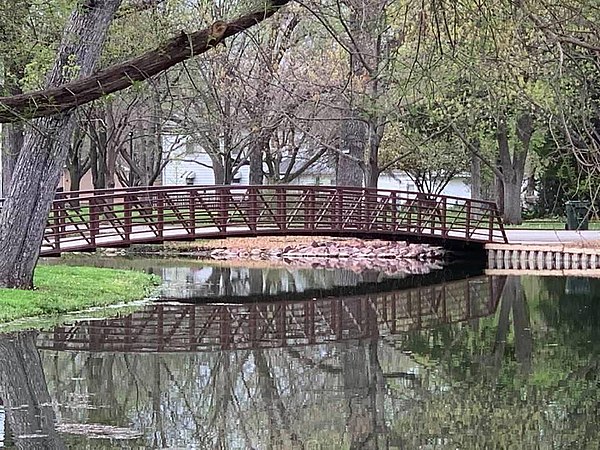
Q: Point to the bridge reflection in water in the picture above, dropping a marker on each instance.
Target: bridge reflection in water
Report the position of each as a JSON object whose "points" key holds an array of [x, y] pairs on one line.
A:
{"points": [[171, 327]]}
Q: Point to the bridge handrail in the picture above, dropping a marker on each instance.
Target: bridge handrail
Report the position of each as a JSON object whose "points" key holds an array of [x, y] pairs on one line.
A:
{"points": [[228, 187], [84, 220]]}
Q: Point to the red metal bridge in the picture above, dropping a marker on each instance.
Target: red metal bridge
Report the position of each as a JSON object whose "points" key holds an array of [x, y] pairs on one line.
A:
{"points": [[86, 220], [167, 327]]}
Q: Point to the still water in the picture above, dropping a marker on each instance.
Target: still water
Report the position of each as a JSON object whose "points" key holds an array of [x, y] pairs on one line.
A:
{"points": [[318, 359]]}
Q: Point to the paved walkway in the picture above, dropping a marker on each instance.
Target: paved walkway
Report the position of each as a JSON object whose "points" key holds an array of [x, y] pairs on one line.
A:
{"points": [[550, 236]]}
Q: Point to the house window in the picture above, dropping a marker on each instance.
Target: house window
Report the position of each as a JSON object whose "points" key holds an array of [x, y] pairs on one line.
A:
{"points": [[188, 177]]}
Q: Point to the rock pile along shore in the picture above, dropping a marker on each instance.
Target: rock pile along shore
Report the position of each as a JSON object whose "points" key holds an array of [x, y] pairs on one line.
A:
{"points": [[352, 254], [337, 249]]}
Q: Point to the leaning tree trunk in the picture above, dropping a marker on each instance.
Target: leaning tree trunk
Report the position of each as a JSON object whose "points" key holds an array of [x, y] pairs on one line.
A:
{"points": [[40, 163]]}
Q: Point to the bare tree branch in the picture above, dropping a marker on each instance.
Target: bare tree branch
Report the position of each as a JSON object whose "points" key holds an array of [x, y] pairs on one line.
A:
{"points": [[120, 76]]}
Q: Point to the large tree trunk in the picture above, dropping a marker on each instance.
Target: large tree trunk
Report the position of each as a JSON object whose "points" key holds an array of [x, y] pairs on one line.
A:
{"points": [[77, 164], [511, 190], [24, 391], [513, 166], [40, 163], [349, 170], [362, 381], [376, 129], [256, 165], [258, 148]]}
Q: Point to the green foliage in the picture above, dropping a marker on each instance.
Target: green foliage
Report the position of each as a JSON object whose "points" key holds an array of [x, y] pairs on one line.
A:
{"points": [[60, 289], [424, 146]]}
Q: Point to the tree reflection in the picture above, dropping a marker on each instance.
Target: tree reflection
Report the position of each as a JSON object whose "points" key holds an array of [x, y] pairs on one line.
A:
{"points": [[526, 377], [24, 393]]}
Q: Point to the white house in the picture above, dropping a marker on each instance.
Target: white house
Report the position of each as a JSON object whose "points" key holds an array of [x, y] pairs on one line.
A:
{"points": [[190, 164]]}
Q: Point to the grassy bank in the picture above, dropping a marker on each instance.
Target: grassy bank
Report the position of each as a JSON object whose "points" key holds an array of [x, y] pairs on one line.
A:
{"points": [[61, 289], [549, 224]]}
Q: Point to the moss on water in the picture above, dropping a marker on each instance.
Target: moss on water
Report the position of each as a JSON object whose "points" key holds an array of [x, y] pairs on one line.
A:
{"points": [[62, 289]]}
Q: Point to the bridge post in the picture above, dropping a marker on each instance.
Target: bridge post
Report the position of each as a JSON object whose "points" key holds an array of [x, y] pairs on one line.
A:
{"points": [[127, 204], [491, 216], [94, 224], [280, 322], [310, 209], [281, 216], [337, 312], [309, 321], [192, 342], [253, 208], [223, 208], [419, 217], [160, 328], [58, 215], [468, 219], [192, 210], [225, 337], [160, 214], [370, 209], [443, 216], [339, 222]]}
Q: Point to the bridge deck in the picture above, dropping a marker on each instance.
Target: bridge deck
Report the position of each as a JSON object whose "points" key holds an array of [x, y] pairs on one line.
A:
{"points": [[86, 220]]}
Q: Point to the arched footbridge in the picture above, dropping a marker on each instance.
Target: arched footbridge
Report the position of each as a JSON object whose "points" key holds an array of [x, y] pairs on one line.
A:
{"points": [[87, 220]]}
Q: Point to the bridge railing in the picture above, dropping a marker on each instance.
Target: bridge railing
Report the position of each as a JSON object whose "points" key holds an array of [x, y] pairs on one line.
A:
{"points": [[85, 220]]}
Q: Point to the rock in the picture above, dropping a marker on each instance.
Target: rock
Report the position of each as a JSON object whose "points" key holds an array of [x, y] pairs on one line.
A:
{"points": [[352, 254]]}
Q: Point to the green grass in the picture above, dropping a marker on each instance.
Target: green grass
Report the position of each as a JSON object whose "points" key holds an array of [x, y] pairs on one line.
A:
{"points": [[549, 224], [62, 289]]}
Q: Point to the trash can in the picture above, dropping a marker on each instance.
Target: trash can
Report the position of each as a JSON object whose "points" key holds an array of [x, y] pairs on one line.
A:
{"points": [[577, 215]]}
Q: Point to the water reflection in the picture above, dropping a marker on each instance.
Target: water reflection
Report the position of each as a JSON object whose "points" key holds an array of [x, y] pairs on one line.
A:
{"points": [[464, 368], [24, 395], [222, 326], [193, 280]]}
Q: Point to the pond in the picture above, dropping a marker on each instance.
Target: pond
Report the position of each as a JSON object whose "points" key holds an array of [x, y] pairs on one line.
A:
{"points": [[317, 359]]}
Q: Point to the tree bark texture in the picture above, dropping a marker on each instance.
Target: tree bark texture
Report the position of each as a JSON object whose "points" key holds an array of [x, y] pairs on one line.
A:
{"points": [[60, 97], [24, 391], [12, 142], [513, 165], [349, 166], [77, 163], [364, 125], [12, 134], [258, 148], [45, 148], [376, 128]]}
